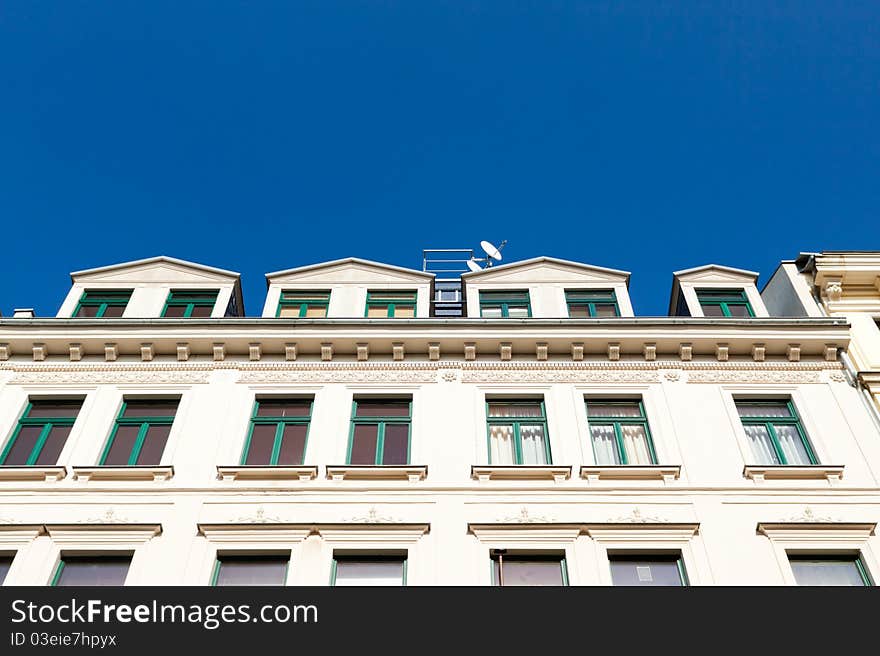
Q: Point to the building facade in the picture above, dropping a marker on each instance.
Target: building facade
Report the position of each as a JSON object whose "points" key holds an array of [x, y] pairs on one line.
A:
{"points": [[153, 434]]}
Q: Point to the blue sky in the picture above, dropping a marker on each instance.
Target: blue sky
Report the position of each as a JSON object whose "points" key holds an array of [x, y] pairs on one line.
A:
{"points": [[646, 136]]}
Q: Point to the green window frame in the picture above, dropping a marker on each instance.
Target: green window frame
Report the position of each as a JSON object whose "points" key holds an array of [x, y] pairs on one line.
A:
{"points": [[190, 299], [110, 302], [144, 424], [496, 563], [504, 301], [382, 422], [856, 560], [654, 558], [404, 559], [593, 301], [618, 422], [46, 425], [281, 423], [303, 304], [724, 299], [396, 303], [518, 422], [771, 424], [218, 563]]}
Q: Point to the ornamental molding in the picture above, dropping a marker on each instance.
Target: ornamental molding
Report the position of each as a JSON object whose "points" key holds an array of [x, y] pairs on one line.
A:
{"points": [[109, 516], [755, 376], [636, 517], [258, 517], [524, 516], [372, 517]]}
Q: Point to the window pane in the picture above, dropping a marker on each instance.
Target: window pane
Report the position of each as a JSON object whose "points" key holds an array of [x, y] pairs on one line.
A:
{"points": [[490, 312], [528, 571], [150, 408], [761, 445], [606, 310], [372, 571], [202, 311], [123, 444], [284, 408], [515, 410], [826, 571], [5, 564], [792, 445], [305, 296], [114, 311], [252, 570], [635, 442], [401, 296], [52, 447], [712, 310], [579, 311], [154, 445], [261, 445], [404, 312], [97, 570], [642, 571], [382, 408], [604, 445], [377, 311], [293, 444], [501, 451], [289, 311], [772, 409], [396, 444], [23, 445], [316, 311], [599, 409], [533, 450], [87, 311], [174, 311], [517, 311], [67, 409], [738, 310], [363, 444]]}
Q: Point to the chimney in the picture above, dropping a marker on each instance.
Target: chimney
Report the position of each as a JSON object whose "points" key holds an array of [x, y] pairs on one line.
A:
{"points": [[23, 313]]}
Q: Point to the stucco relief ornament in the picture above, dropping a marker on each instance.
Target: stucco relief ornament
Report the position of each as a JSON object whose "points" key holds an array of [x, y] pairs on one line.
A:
{"points": [[259, 517], [810, 517], [834, 290], [372, 517], [524, 517], [109, 517], [449, 375], [673, 375], [636, 517], [837, 376]]}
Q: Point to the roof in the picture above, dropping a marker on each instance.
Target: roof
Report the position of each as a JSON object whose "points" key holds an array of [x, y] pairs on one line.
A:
{"points": [[545, 259], [153, 260], [717, 267], [349, 260]]}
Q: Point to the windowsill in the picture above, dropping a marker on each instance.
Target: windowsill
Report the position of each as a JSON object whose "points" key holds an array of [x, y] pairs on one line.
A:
{"points": [[132, 473], [760, 473], [32, 473], [665, 473], [520, 472], [410, 473], [267, 472]]}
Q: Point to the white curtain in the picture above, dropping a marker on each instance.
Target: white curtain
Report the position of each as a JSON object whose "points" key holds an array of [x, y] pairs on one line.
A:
{"points": [[501, 445], [792, 445], [762, 448], [635, 441], [361, 572], [533, 451], [603, 445], [827, 572]]}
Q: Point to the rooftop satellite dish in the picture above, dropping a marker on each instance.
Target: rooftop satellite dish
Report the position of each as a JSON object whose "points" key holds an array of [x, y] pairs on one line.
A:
{"points": [[473, 266], [491, 251]]}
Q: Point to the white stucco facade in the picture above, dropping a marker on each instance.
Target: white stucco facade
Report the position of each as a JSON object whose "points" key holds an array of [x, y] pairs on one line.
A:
{"points": [[732, 520]]}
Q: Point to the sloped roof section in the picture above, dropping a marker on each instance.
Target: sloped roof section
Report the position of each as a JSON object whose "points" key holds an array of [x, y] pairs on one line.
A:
{"points": [[349, 270], [547, 269], [161, 268]]}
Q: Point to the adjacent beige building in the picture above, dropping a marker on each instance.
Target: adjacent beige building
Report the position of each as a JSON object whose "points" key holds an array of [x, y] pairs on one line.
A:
{"points": [[153, 434]]}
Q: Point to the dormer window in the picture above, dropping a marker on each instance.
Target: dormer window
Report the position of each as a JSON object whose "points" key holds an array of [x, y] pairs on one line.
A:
{"points": [[391, 304], [587, 303], [102, 303], [505, 304], [724, 303], [303, 305], [185, 304]]}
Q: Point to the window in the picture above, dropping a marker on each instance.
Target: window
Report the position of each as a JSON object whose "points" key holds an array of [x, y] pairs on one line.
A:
{"points": [[380, 431], [251, 570], [514, 570], [517, 433], [196, 303], [774, 433], [278, 432], [102, 303], [140, 433], [5, 564], [303, 305], [829, 570], [619, 432], [369, 570], [506, 304], [724, 303], [648, 570], [391, 304], [92, 570], [41, 433], [586, 303]]}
